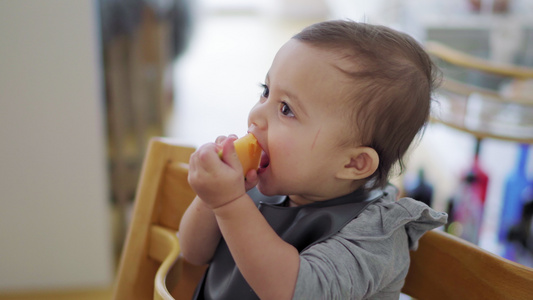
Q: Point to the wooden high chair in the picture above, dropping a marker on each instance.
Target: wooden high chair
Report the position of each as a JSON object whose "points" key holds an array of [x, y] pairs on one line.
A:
{"points": [[447, 267], [150, 265], [444, 267]]}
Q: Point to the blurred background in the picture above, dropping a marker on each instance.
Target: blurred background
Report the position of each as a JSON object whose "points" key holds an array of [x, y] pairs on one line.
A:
{"points": [[85, 84]]}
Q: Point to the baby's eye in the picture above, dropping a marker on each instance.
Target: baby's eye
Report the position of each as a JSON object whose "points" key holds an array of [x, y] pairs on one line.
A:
{"points": [[286, 110], [266, 91]]}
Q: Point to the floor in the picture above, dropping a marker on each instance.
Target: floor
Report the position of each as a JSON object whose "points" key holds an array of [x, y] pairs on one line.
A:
{"points": [[96, 294]]}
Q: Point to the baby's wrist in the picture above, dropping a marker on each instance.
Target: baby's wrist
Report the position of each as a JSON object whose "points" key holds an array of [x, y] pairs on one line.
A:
{"points": [[228, 208], [204, 206]]}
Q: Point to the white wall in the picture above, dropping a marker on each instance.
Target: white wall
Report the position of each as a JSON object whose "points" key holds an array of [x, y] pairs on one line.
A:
{"points": [[54, 208]]}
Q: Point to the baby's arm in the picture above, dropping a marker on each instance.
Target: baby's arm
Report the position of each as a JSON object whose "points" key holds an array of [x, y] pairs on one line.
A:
{"points": [[269, 264], [199, 234]]}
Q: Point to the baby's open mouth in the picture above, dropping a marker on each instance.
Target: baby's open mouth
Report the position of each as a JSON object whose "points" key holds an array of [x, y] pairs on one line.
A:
{"points": [[265, 162]]}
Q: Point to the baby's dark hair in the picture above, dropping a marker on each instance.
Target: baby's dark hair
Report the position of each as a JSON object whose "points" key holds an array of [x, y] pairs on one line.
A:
{"points": [[393, 81]]}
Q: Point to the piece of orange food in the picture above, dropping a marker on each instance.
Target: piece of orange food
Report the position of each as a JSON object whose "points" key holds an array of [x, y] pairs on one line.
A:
{"points": [[248, 151]]}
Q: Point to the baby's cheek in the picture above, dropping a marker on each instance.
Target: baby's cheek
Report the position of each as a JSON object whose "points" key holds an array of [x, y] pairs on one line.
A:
{"points": [[288, 161]]}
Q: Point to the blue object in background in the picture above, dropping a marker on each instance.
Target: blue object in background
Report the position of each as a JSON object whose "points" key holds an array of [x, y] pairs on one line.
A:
{"points": [[511, 212]]}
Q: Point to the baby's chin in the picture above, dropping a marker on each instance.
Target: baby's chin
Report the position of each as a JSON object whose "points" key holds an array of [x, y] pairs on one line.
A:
{"points": [[265, 189]]}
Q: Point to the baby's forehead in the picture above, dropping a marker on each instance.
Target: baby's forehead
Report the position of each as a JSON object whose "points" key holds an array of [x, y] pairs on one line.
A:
{"points": [[327, 69]]}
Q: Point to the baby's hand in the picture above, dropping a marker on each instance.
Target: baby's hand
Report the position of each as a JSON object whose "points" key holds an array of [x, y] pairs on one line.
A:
{"points": [[217, 181]]}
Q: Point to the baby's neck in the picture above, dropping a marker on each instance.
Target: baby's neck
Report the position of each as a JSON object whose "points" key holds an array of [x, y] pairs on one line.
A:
{"points": [[297, 200]]}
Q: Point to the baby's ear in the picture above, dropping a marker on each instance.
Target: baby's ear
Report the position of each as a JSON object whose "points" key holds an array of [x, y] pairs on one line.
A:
{"points": [[361, 163]]}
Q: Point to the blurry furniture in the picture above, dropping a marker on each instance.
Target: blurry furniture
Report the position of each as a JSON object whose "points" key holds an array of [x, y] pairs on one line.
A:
{"points": [[486, 100], [503, 34], [140, 40], [446, 267], [150, 264], [483, 98]]}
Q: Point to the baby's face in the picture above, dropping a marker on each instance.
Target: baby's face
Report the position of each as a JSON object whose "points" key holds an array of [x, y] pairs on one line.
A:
{"points": [[300, 122]]}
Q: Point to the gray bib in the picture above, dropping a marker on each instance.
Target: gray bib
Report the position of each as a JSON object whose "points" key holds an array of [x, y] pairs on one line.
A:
{"points": [[301, 226]]}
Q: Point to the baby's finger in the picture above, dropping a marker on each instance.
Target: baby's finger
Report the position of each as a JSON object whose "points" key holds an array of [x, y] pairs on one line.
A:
{"points": [[220, 139], [206, 157]]}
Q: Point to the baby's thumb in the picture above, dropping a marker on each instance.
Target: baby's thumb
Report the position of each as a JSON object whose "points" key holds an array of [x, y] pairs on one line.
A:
{"points": [[251, 179]]}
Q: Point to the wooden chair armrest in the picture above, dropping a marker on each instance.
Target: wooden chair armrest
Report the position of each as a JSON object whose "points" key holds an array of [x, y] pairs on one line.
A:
{"points": [[164, 247]]}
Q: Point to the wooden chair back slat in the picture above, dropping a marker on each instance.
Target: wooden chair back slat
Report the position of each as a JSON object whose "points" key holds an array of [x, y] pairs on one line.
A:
{"points": [[162, 196], [447, 267]]}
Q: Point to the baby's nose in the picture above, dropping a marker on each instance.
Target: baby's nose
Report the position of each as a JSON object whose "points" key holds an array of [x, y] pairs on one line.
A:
{"points": [[257, 118]]}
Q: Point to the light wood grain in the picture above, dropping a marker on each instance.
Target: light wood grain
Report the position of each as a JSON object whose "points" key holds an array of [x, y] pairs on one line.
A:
{"points": [[446, 267], [150, 266]]}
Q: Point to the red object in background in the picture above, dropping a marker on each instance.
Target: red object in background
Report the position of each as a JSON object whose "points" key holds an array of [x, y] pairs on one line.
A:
{"points": [[498, 6], [469, 201], [481, 178]]}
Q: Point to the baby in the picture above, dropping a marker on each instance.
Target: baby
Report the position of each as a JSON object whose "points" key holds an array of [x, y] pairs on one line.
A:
{"points": [[340, 106]]}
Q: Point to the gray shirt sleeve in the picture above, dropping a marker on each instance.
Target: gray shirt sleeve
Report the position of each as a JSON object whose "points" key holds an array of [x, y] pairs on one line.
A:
{"points": [[368, 258]]}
